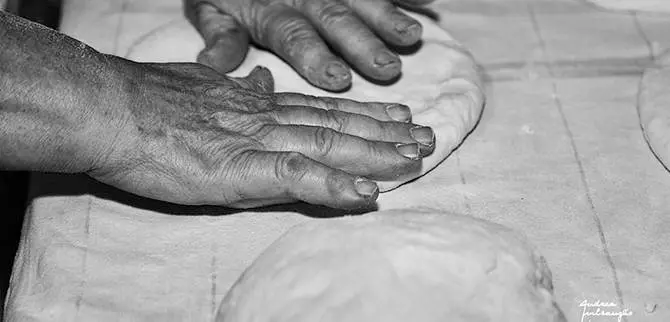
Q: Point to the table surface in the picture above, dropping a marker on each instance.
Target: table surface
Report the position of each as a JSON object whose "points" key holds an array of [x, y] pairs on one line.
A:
{"points": [[558, 155]]}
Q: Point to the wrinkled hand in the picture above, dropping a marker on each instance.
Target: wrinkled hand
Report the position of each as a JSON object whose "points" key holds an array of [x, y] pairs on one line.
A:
{"points": [[302, 33], [194, 136]]}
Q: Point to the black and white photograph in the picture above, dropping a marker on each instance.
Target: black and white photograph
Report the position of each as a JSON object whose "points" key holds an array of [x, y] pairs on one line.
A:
{"points": [[335, 160]]}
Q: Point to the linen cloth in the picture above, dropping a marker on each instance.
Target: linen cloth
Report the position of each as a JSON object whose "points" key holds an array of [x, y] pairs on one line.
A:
{"points": [[558, 155]]}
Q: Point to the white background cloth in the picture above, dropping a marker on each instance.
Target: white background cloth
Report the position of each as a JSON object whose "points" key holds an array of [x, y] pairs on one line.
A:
{"points": [[558, 155]]}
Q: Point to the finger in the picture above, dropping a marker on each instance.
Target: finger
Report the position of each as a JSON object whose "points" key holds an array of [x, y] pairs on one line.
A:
{"points": [[274, 177], [226, 43], [292, 37], [379, 111], [359, 46], [388, 21], [372, 159], [358, 125], [259, 79]]}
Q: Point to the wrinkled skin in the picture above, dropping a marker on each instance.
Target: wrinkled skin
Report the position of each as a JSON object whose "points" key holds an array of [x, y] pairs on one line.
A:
{"points": [[302, 33], [191, 135]]}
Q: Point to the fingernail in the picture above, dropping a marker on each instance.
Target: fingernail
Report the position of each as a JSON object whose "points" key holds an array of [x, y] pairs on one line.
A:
{"points": [[409, 150], [405, 26], [366, 187], [423, 135], [385, 58], [337, 72], [399, 113]]}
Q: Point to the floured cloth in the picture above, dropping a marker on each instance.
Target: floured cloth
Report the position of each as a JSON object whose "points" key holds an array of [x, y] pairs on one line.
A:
{"points": [[558, 155]]}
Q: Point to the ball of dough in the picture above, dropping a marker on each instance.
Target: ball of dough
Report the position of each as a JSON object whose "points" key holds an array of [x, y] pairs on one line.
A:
{"points": [[400, 265]]}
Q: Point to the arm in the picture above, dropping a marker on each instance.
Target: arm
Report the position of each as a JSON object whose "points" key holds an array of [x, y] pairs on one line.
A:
{"points": [[49, 86], [184, 133]]}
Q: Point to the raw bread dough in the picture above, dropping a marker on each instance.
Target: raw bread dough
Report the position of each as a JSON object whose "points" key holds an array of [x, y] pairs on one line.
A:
{"points": [[634, 5], [440, 82], [654, 108], [399, 265]]}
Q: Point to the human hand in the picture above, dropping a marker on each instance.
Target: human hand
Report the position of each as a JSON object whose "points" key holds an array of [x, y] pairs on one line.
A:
{"points": [[195, 136], [302, 33]]}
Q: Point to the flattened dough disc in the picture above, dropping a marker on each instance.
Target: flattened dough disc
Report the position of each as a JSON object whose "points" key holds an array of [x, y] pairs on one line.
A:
{"points": [[440, 81], [395, 266], [654, 108]]}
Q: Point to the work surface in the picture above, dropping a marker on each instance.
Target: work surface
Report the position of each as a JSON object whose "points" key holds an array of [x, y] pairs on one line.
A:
{"points": [[558, 155]]}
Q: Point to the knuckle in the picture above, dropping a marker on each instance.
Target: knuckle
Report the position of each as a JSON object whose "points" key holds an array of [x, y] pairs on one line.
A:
{"points": [[293, 33], [333, 13], [262, 133], [240, 170], [291, 167], [378, 130], [335, 120], [251, 101], [325, 141], [281, 27], [253, 126], [254, 17], [265, 126], [328, 102]]}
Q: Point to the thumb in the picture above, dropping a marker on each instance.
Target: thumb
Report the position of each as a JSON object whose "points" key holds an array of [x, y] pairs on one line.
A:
{"points": [[259, 79], [226, 42]]}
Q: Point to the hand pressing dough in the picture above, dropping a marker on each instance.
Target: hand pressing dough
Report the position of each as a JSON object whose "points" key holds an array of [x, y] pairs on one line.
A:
{"points": [[440, 82], [654, 108], [633, 5], [400, 265]]}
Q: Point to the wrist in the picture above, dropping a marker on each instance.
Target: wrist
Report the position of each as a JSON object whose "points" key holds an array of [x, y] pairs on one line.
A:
{"points": [[106, 136], [58, 100]]}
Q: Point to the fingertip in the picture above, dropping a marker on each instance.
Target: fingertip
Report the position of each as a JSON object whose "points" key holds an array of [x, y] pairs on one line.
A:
{"points": [[223, 56], [399, 112], [366, 188], [260, 70], [409, 31], [262, 78], [411, 151], [337, 73], [387, 65], [351, 192], [226, 42], [335, 76]]}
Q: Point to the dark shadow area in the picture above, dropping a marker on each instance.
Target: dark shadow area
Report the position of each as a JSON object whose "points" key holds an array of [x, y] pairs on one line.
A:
{"points": [[46, 12], [407, 50], [13, 189], [77, 185]]}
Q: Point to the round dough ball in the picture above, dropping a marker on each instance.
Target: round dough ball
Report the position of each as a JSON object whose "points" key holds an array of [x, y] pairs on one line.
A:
{"points": [[399, 265]]}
